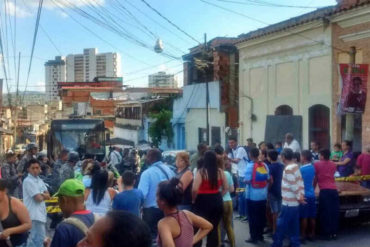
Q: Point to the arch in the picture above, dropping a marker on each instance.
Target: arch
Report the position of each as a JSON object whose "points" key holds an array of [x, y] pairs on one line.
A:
{"points": [[319, 125], [284, 110]]}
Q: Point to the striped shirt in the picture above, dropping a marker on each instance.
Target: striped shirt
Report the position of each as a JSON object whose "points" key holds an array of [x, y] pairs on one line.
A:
{"points": [[292, 188]]}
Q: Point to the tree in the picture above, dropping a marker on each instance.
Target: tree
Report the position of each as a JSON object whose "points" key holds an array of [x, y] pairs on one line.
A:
{"points": [[161, 127]]}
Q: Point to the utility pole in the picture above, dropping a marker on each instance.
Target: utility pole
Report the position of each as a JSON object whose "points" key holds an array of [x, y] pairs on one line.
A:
{"points": [[207, 89], [350, 117], [17, 102]]}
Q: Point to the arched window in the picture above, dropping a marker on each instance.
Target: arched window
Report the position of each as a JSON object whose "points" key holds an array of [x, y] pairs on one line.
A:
{"points": [[319, 125], [284, 110]]}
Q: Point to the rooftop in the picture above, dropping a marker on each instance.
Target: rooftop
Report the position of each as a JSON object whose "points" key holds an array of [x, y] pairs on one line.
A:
{"points": [[318, 14]]}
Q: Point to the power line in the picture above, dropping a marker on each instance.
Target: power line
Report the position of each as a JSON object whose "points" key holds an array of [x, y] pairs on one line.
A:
{"points": [[124, 34], [268, 24], [267, 4], [33, 44], [156, 22], [169, 21]]}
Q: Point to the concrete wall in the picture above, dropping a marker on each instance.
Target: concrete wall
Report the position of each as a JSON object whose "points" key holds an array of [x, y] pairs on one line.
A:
{"points": [[284, 69], [351, 29], [132, 135], [196, 118]]}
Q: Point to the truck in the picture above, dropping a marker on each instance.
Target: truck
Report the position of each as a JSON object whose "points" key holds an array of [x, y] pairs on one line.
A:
{"points": [[84, 136]]}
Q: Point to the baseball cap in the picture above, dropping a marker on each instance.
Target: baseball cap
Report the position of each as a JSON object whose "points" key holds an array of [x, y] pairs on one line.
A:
{"points": [[71, 187]]}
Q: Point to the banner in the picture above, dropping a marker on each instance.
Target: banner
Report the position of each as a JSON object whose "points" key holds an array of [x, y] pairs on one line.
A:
{"points": [[354, 87]]}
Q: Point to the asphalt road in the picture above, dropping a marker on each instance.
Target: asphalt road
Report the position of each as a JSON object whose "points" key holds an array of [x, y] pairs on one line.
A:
{"points": [[349, 236]]}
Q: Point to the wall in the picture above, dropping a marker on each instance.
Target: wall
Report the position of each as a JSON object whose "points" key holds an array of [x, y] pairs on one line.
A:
{"points": [[284, 69], [127, 134], [351, 29], [195, 119]]}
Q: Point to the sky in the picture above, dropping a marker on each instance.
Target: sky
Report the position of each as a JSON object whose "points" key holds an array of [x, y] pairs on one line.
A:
{"points": [[130, 28]]}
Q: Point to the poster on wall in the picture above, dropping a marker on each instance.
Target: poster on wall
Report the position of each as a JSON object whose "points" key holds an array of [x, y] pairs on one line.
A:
{"points": [[354, 87]]}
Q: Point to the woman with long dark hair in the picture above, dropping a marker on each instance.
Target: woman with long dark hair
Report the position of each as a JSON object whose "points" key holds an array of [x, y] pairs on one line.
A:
{"points": [[14, 218], [176, 228], [207, 198], [99, 196]]}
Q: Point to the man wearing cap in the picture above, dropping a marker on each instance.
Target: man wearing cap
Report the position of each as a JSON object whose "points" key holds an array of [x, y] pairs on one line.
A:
{"points": [[77, 219], [67, 169]]}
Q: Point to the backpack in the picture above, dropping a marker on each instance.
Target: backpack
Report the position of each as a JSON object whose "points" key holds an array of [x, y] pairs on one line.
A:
{"points": [[259, 175], [79, 224]]}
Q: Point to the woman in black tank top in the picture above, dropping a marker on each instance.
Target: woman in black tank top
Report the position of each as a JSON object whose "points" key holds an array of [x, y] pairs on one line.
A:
{"points": [[185, 175], [14, 218]]}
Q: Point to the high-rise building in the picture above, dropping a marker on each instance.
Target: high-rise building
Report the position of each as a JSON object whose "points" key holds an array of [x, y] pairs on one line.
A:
{"points": [[90, 64], [161, 79], [55, 71]]}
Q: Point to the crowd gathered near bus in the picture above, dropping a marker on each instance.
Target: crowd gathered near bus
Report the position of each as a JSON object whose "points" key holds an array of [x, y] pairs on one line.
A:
{"points": [[135, 199]]}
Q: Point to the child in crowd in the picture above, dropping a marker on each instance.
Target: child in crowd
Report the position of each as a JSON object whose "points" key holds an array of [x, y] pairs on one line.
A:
{"points": [[297, 158], [274, 192], [278, 147], [129, 199], [292, 195], [307, 211], [256, 177], [337, 153]]}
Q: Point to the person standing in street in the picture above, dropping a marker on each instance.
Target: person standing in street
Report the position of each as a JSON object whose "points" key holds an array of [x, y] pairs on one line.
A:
{"points": [[363, 165], [328, 198], [307, 211], [34, 195], [345, 166], [256, 177], [31, 151], [315, 148], [149, 180], [239, 158], [274, 195], [14, 218], [67, 169], [10, 174], [77, 219], [129, 198], [177, 226], [208, 188], [185, 175], [291, 143], [293, 194], [202, 148]]}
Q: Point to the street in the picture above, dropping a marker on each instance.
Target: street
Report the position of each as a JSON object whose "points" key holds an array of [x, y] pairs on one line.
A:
{"points": [[355, 236]]}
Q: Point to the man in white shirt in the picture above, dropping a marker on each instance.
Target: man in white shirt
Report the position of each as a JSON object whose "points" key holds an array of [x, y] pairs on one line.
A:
{"points": [[291, 143], [239, 158]]}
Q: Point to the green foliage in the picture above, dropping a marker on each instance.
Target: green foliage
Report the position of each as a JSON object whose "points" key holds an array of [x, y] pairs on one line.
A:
{"points": [[161, 127]]}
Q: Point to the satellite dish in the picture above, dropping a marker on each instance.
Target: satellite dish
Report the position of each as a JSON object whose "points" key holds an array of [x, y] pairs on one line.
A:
{"points": [[158, 48]]}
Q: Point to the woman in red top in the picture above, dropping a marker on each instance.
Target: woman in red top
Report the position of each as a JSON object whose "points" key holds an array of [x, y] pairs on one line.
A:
{"points": [[328, 197], [207, 198]]}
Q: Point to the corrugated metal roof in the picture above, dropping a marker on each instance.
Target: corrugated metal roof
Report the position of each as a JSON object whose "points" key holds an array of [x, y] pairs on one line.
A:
{"points": [[299, 20]]}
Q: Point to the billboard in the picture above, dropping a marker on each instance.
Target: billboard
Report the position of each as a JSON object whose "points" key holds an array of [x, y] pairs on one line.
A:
{"points": [[354, 79]]}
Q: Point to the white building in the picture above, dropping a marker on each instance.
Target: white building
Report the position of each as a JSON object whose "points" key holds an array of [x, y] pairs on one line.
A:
{"points": [[55, 71], [161, 79], [90, 64]]}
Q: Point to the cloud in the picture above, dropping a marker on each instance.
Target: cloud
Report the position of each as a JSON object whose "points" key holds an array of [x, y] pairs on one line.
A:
{"points": [[28, 8], [17, 10]]}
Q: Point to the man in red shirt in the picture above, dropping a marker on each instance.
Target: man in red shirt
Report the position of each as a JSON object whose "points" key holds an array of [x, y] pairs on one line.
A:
{"points": [[363, 164]]}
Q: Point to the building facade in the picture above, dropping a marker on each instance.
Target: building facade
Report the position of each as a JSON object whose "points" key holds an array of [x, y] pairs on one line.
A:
{"points": [[55, 71], [288, 75], [91, 64], [161, 79]]}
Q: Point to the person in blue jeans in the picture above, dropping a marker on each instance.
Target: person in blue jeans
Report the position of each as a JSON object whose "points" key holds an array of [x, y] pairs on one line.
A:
{"points": [[239, 157], [256, 177], [292, 189], [129, 199], [34, 195], [307, 211]]}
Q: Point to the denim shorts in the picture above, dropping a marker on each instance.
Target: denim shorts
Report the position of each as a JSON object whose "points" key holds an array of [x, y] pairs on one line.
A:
{"points": [[275, 204], [308, 210]]}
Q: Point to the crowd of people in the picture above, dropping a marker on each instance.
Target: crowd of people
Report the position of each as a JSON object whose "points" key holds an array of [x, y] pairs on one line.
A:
{"points": [[122, 203]]}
